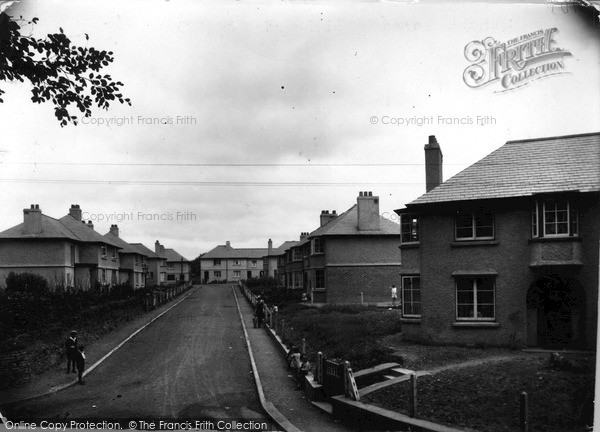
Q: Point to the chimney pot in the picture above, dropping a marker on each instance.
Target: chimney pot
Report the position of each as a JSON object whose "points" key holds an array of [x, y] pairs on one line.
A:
{"points": [[368, 212], [32, 220], [75, 212], [432, 139]]}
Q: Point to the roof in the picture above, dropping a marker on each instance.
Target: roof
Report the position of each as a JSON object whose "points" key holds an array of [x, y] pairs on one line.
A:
{"points": [[51, 229], [84, 232], [224, 251], [145, 251], [347, 224], [125, 247], [173, 255], [283, 247], [524, 168]]}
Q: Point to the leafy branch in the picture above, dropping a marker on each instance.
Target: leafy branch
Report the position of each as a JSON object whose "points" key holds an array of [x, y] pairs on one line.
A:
{"points": [[59, 71]]}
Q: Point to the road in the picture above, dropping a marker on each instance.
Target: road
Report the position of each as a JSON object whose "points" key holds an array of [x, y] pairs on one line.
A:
{"points": [[191, 363]]}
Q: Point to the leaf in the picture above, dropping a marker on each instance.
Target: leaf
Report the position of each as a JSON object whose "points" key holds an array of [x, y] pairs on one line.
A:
{"points": [[61, 30], [87, 37], [35, 20]]}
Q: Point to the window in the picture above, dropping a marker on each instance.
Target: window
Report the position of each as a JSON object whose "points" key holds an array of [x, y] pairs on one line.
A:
{"points": [[475, 299], [217, 262], [152, 275], [237, 262], [297, 279], [162, 277], [254, 263], [411, 296], [237, 274], [171, 277], [297, 254], [317, 246], [103, 251], [170, 266], [217, 274], [114, 253], [554, 218], [474, 226], [409, 228], [103, 276], [319, 278]]}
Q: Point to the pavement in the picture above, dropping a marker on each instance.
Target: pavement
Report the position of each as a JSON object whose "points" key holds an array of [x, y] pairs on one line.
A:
{"points": [[278, 385]]}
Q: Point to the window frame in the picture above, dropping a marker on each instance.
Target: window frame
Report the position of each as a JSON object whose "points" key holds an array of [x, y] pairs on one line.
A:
{"points": [[317, 278], [474, 237], [413, 224], [237, 273], [475, 291], [320, 250], [411, 302], [217, 273]]}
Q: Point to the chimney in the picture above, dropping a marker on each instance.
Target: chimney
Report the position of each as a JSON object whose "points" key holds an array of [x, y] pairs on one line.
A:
{"points": [[90, 224], [32, 220], [157, 247], [270, 246], [75, 212], [303, 236], [114, 230], [228, 244], [433, 164], [326, 216], [368, 212]]}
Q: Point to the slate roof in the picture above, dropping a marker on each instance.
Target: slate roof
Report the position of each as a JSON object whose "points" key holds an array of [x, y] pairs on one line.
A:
{"points": [[283, 247], [347, 224], [524, 168], [143, 250], [224, 251], [125, 247], [173, 255], [51, 229], [84, 232]]}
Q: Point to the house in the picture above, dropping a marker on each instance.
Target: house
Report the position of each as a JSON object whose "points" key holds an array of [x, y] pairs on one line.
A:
{"points": [[352, 257], [156, 271], [133, 266], [506, 252], [225, 263], [297, 264], [178, 267], [66, 251], [271, 261]]}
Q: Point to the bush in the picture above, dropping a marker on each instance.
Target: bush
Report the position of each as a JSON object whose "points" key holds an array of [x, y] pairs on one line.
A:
{"points": [[26, 282]]}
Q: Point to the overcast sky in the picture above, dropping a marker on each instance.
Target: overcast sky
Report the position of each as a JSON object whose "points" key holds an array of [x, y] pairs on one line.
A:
{"points": [[290, 106]]}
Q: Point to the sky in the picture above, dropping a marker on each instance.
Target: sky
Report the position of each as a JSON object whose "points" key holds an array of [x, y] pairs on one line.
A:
{"points": [[275, 111]]}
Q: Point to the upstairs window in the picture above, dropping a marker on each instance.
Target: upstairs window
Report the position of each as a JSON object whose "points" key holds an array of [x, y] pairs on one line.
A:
{"points": [[103, 251], [217, 262], [554, 218], [409, 228], [317, 246], [297, 254], [474, 226]]}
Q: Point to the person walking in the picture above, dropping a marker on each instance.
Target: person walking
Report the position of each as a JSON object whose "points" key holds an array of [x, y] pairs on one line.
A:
{"points": [[71, 351], [80, 359], [394, 295]]}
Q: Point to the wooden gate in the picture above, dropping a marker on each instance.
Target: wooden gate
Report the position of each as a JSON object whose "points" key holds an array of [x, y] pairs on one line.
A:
{"points": [[333, 378]]}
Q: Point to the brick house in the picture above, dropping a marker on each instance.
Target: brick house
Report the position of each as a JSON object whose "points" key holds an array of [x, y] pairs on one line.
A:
{"points": [[297, 264], [177, 266], [156, 266], [133, 266], [352, 257], [273, 266], [506, 252], [66, 251], [225, 263]]}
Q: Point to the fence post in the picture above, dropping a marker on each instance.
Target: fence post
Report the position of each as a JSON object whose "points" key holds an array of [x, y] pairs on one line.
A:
{"points": [[346, 382], [413, 395], [271, 320], [303, 345], [283, 329], [319, 367], [362, 298], [523, 412]]}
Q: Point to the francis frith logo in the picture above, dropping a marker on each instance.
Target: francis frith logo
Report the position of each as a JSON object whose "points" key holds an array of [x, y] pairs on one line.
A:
{"points": [[515, 63]]}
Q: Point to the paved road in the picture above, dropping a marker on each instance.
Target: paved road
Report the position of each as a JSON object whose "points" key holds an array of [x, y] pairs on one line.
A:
{"points": [[191, 363]]}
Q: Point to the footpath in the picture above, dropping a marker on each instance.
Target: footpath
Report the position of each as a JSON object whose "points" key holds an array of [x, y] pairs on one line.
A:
{"points": [[278, 385]]}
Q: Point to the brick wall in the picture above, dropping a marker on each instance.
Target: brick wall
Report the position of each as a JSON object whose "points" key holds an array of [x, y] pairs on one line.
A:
{"points": [[14, 369]]}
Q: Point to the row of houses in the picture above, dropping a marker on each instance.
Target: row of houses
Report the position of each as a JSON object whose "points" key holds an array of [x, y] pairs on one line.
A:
{"points": [[69, 253], [504, 253]]}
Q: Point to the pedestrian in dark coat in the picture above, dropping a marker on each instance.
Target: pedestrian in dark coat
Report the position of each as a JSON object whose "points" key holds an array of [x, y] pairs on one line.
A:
{"points": [[71, 351], [80, 360]]}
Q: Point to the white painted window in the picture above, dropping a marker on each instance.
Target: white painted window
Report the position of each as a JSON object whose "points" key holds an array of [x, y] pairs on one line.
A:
{"points": [[237, 274], [474, 226], [318, 246], [409, 228], [475, 298], [411, 296]]}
